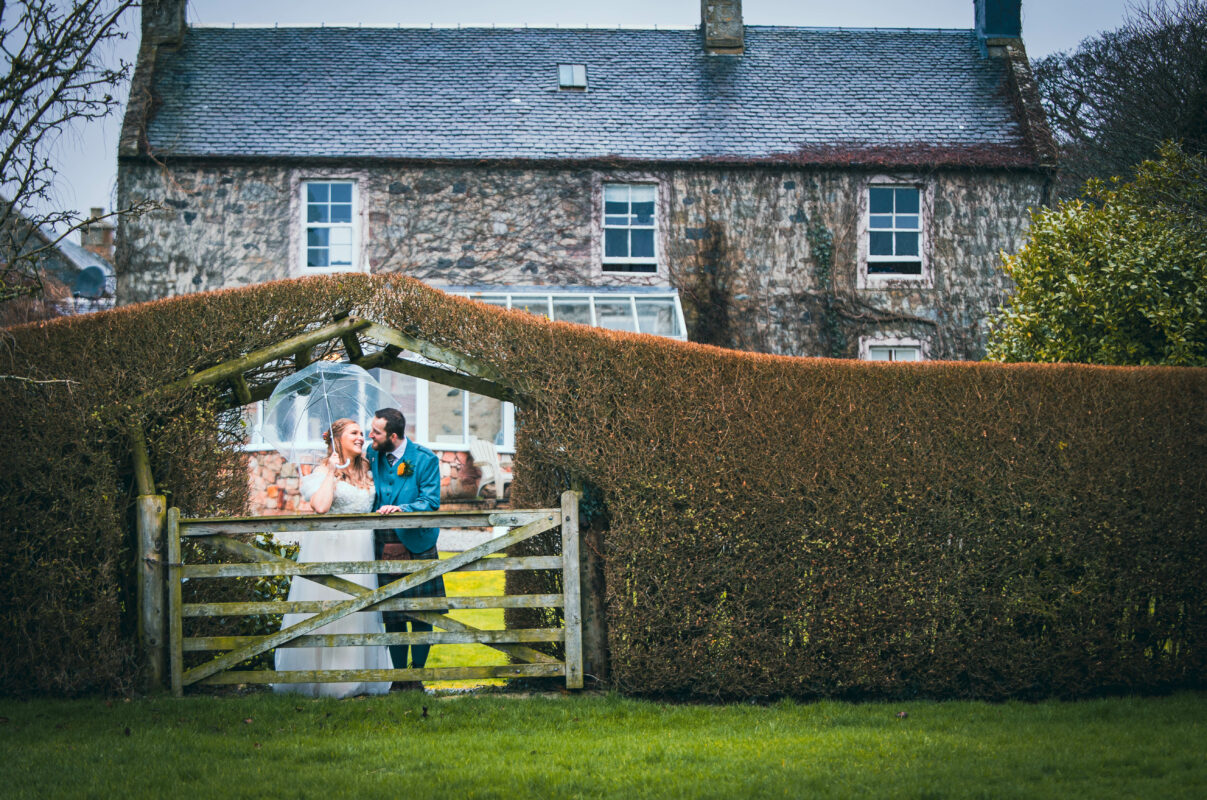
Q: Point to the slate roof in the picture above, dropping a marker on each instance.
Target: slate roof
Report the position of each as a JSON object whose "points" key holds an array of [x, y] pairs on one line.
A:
{"points": [[654, 95]]}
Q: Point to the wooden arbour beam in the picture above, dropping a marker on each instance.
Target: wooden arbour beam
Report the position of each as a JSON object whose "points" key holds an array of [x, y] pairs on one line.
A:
{"points": [[467, 373], [352, 347], [236, 367], [449, 378], [432, 352], [386, 360], [241, 389]]}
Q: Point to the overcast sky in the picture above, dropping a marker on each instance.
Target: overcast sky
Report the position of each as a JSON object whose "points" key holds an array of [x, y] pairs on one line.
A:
{"points": [[88, 157]]}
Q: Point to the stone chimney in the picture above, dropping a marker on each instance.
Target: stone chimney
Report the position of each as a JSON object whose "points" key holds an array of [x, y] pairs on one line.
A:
{"points": [[97, 235], [999, 23], [721, 26], [163, 22]]}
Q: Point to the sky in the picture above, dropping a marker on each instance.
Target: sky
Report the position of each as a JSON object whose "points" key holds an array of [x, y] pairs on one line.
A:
{"points": [[87, 156]]}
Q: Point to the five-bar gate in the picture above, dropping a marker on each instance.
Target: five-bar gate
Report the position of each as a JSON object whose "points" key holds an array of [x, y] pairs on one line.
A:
{"points": [[220, 533]]}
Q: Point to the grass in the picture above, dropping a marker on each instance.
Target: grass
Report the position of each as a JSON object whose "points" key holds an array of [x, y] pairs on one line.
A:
{"points": [[490, 745]]}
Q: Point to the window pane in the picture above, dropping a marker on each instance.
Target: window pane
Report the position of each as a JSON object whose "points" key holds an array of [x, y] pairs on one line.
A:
{"points": [[642, 194], [643, 243], [895, 267], [341, 193], [486, 419], [341, 256], [907, 201], [881, 244], [649, 267], [341, 212], [643, 213], [316, 213], [565, 74], [616, 193], [614, 316], [316, 192], [616, 243], [493, 299], [880, 354], [909, 222], [533, 305], [880, 201], [403, 389], [881, 221], [906, 354], [316, 257], [316, 237], [657, 317], [339, 236], [617, 208], [444, 414], [572, 310], [907, 244]]}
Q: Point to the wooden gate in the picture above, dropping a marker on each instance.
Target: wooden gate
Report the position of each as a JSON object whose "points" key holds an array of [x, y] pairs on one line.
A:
{"points": [[218, 533]]}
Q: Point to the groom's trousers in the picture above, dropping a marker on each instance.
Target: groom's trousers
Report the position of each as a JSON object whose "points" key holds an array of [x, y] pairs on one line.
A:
{"points": [[397, 621]]}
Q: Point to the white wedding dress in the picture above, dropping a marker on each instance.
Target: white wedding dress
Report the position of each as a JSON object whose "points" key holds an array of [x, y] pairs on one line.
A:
{"points": [[336, 546]]}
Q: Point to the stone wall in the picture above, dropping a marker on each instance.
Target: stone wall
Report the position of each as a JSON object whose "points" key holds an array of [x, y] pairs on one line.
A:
{"points": [[765, 259]]}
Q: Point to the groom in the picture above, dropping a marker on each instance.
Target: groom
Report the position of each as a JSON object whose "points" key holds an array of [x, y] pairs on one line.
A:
{"points": [[406, 477]]}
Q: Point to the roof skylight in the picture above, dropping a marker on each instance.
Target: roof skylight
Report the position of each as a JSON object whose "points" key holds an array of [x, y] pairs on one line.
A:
{"points": [[572, 76]]}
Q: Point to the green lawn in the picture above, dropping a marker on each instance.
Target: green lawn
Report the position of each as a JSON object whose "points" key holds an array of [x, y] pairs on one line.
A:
{"points": [[593, 746]]}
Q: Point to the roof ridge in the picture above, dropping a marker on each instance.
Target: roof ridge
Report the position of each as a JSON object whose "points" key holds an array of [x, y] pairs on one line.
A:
{"points": [[545, 27]]}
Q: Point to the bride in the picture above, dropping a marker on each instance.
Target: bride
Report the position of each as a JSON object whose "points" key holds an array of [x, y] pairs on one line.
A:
{"points": [[341, 484]]}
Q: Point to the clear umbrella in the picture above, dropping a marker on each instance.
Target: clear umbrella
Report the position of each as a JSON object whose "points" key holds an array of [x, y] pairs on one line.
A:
{"points": [[304, 405]]}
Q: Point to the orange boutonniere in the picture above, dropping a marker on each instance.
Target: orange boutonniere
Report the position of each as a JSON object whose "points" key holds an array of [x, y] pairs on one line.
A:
{"points": [[405, 469]]}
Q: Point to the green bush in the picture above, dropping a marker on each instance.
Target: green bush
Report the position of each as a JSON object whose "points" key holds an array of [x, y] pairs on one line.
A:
{"points": [[774, 526], [1117, 278]]}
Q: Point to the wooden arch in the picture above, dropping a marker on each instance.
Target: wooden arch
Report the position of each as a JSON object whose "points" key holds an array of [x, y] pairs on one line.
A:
{"points": [[253, 377]]}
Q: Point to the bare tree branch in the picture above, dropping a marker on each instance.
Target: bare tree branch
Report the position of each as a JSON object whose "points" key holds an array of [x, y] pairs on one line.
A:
{"points": [[56, 77], [1114, 100]]}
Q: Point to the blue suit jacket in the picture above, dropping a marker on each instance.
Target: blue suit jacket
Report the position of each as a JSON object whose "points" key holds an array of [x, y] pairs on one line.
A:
{"points": [[418, 491]]}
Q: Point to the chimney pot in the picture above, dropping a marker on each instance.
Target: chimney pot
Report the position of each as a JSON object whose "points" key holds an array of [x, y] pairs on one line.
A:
{"points": [[998, 23], [97, 235], [163, 22]]}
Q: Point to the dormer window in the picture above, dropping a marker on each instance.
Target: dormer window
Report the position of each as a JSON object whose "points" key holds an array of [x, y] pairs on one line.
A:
{"points": [[572, 76]]}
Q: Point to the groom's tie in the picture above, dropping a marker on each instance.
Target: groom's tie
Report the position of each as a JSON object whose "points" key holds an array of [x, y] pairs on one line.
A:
{"points": [[390, 459]]}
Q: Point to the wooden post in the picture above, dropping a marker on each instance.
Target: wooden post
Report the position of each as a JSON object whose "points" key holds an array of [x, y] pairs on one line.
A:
{"points": [[595, 621], [572, 605], [175, 622], [151, 512], [595, 610]]}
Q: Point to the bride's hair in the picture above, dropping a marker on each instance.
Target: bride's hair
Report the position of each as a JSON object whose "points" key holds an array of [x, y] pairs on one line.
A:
{"points": [[357, 472]]}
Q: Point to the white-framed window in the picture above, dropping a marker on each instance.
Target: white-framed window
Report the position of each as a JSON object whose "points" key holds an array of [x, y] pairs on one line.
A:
{"points": [[630, 227], [330, 240], [873, 349], [656, 312], [894, 230], [572, 76], [893, 233]]}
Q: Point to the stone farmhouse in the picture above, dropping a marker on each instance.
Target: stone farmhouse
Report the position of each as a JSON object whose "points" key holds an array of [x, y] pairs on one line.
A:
{"points": [[801, 191]]}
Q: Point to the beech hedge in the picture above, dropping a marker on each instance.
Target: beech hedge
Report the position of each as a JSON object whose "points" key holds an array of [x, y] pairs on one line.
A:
{"points": [[772, 526]]}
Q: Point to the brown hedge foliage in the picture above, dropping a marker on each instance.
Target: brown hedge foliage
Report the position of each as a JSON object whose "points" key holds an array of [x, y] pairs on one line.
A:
{"points": [[775, 526]]}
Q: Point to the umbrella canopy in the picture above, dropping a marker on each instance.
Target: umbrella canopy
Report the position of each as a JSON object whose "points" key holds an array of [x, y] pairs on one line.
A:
{"points": [[304, 405]]}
